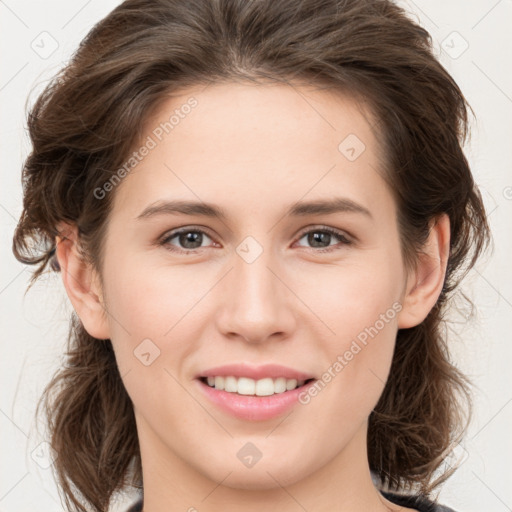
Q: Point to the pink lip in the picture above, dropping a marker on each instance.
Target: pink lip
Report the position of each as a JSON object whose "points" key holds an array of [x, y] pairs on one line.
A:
{"points": [[255, 372], [253, 408]]}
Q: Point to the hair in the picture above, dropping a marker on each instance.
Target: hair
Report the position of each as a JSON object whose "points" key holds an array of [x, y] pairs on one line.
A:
{"points": [[86, 121]]}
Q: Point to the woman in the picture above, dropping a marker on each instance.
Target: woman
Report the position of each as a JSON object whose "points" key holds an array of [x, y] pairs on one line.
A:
{"points": [[260, 211]]}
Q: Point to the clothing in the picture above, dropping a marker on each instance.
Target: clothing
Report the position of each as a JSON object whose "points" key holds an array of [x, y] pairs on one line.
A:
{"points": [[136, 507], [420, 503]]}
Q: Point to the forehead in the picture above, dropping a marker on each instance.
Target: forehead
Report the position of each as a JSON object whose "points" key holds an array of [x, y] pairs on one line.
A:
{"points": [[256, 145], [255, 117]]}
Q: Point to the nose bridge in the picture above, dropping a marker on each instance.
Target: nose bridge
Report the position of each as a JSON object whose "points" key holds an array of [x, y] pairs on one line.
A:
{"points": [[256, 302]]}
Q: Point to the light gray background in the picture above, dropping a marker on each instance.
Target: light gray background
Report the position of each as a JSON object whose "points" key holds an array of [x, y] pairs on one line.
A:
{"points": [[38, 37]]}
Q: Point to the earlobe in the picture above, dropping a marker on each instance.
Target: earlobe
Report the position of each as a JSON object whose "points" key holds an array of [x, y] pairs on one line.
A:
{"points": [[425, 283], [81, 283]]}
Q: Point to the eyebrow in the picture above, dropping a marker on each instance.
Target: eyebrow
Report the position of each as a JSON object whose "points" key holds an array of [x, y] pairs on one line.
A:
{"points": [[299, 209]]}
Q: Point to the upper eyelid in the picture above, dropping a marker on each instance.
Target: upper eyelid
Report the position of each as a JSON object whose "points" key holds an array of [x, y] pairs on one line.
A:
{"points": [[185, 229], [320, 227]]}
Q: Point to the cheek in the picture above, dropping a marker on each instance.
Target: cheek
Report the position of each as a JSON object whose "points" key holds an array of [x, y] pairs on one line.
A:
{"points": [[148, 322], [355, 377], [149, 301], [351, 297], [153, 310], [360, 306]]}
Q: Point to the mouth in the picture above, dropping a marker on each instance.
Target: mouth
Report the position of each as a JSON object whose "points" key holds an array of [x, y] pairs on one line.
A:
{"points": [[250, 387], [244, 402]]}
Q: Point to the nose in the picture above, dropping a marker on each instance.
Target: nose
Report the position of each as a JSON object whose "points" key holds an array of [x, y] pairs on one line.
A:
{"points": [[256, 301]]}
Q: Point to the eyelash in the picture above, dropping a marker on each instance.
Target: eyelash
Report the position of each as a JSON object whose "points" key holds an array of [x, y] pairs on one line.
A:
{"points": [[164, 241]]}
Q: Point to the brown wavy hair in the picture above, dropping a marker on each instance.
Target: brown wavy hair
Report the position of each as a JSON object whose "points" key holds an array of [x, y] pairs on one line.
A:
{"points": [[85, 123]]}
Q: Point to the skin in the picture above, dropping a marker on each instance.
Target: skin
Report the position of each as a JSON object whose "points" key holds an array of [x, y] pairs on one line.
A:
{"points": [[255, 150]]}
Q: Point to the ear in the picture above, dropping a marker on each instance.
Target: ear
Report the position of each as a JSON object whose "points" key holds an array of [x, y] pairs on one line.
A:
{"points": [[81, 282], [425, 282]]}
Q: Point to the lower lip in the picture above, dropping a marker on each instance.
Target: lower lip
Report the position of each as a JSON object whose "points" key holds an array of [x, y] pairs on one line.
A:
{"points": [[253, 408]]}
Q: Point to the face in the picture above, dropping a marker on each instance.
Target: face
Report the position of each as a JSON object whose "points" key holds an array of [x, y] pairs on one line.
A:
{"points": [[277, 279]]}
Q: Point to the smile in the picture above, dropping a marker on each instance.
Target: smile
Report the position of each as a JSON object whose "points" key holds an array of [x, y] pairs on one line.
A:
{"points": [[244, 402], [246, 386]]}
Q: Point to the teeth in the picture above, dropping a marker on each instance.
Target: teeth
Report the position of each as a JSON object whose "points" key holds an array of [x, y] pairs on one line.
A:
{"points": [[245, 386]]}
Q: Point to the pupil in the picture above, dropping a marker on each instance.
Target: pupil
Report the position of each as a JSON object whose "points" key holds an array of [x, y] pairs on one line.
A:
{"points": [[316, 237], [190, 236]]}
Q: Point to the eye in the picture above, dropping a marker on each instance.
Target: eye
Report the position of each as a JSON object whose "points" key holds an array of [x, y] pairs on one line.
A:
{"points": [[189, 240], [322, 236]]}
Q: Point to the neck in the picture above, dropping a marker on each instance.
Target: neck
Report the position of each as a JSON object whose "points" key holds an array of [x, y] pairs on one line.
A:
{"points": [[343, 483]]}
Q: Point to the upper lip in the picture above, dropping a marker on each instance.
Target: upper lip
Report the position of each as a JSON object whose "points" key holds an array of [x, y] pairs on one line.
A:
{"points": [[255, 372]]}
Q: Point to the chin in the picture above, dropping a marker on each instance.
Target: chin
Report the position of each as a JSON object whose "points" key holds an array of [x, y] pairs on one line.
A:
{"points": [[260, 480], [270, 472]]}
